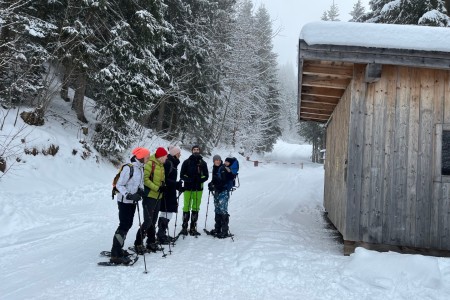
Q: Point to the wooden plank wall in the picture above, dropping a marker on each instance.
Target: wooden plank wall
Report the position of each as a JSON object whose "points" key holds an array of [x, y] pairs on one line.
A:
{"points": [[335, 190], [355, 154], [392, 198]]}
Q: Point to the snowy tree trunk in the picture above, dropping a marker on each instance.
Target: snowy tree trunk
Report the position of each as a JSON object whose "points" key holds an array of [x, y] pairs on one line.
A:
{"points": [[78, 98], [65, 82], [447, 6], [161, 112]]}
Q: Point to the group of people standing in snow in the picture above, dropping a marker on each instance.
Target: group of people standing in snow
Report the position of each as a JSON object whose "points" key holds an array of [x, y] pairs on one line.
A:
{"points": [[154, 180]]}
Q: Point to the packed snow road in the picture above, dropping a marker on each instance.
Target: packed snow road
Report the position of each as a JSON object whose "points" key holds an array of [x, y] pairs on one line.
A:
{"points": [[282, 249]]}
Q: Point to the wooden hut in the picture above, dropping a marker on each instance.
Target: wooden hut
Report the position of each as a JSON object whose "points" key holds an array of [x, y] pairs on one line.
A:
{"points": [[383, 92]]}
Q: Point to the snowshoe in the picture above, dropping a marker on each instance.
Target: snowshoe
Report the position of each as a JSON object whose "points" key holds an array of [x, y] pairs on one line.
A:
{"points": [[125, 253], [138, 249], [224, 235], [212, 232], [153, 247], [119, 261]]}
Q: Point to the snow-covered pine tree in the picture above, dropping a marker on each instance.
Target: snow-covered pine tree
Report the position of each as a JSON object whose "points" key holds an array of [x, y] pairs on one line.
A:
{"points": [[288, 97], [357, 12], [24, 31], [186, 109], [423, 12], [130, 72], [268, 81], [243, 102], [332, 14]]}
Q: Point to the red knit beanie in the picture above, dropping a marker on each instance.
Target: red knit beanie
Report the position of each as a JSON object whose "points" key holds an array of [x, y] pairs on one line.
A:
{"points": [[140, 152], [160, 152]]}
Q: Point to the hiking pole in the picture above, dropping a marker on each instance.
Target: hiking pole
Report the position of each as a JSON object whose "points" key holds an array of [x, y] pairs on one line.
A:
{"points": [[151, 218], [176, 218], [151, 224], [142, 237], [231, 235], [207, 206], [165, 208]]}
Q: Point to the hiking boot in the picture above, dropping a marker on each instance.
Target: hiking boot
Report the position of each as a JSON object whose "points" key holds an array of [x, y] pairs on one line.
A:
{"points": [[139, 249], [152, 247], [184, 226], [120, 260], [217, 224], [125, 253], [164, 240], [193, 231]]}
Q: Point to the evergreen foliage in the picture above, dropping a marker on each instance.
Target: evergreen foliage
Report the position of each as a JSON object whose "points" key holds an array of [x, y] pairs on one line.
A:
{"points": [[24, 32], [332, 14], [423, 12], [357, 12], [130, 72], [199, 71]]}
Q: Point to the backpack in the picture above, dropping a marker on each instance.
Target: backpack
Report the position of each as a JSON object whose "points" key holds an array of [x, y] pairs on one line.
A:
{"points": [[234, 167], [116, 178]]}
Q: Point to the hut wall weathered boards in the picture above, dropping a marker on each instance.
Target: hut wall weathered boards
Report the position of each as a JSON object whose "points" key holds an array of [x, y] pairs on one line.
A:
{"points": [[383, 182], [387, 172]]}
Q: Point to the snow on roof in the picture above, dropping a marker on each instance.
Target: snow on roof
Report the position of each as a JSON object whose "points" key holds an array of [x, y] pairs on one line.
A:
{"points": [[412, 37]]}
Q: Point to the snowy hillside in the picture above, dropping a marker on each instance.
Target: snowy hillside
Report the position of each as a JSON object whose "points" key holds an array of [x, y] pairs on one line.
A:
{"points": [[56, 215]]}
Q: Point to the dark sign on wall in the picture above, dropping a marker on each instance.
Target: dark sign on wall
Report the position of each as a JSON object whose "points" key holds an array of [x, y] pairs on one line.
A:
{"points": [[446, 152]]}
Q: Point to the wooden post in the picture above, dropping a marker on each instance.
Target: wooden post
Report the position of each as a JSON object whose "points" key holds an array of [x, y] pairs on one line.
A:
{"points": [[255, 163], [301, 165]]}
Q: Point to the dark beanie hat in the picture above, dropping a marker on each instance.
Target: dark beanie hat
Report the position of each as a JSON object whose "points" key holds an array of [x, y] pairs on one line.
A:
{"points": [[229, 159]]}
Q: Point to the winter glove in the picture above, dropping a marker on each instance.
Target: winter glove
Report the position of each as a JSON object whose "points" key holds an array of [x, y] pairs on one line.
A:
{"points": [[162, 189], [211, 187], [141, 192], [180, 186], [134, 197]]}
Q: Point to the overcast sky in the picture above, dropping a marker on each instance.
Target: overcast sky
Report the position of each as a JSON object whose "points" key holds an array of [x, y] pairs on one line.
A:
{"points": [[289, 16]]}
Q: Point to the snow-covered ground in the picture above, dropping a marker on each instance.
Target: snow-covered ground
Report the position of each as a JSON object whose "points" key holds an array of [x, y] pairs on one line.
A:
{"points": [[56, 215]]}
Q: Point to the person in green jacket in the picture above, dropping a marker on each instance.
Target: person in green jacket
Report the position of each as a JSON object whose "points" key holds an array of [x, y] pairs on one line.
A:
{"points": [[154, 176]]}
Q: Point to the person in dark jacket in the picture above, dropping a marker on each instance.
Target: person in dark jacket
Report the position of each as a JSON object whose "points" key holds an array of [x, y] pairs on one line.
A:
{"points": [[169, 203], [131, 188], [220, 186], [194, 172]]}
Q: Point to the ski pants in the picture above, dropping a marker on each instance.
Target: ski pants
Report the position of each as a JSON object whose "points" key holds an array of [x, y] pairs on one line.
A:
{"points": [[221, 202], [192, 200], [150, 206], [126, 215]]}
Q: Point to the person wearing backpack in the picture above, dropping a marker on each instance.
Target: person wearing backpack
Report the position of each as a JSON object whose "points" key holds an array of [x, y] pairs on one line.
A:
{"points": [[154, 188], [169, 203], [221, 184], [130, 187], [194, 172]]}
